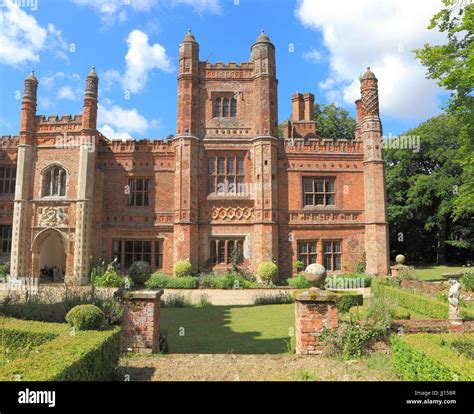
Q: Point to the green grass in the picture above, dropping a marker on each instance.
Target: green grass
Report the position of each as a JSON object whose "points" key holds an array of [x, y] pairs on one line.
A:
{"points": [[229, 329], [432, 273]]}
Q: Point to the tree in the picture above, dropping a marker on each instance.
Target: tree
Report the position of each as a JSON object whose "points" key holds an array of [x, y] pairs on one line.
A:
{"points": [[452, 64], [421, 189], [333, 122]]}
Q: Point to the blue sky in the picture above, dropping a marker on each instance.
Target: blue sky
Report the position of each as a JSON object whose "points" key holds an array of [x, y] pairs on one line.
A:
{"points": [[322, 46]]}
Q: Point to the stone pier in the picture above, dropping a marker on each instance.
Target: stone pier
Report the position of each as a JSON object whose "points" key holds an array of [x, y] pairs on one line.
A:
{"points": [[141, 321], [316, 310]]}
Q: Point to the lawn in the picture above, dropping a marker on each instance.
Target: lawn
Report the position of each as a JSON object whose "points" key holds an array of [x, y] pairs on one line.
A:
{"points": [[229, 329], [433, 272]]}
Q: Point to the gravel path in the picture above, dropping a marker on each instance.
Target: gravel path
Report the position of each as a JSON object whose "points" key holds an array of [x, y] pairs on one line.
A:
{"points": [[218, 367]]}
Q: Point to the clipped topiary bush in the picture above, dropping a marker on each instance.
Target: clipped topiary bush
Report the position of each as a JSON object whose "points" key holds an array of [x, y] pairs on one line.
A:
{"points": [[85, 317], [348, 300], [140, 272], [181, 269], [267, 271]]}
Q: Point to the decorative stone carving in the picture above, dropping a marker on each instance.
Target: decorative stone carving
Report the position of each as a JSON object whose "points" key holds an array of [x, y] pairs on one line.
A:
{"points": [[232, 213], [453, 297], [52, 217]]}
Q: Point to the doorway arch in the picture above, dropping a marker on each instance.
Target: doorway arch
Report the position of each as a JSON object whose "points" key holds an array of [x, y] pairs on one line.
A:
{"points": [[50, 255]]}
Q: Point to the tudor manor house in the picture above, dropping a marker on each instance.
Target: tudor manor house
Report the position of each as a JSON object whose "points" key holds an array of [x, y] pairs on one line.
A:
{"points": [[70, 197]]}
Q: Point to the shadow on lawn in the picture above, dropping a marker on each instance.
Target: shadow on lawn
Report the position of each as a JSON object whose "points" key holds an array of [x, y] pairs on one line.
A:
{"points": [[212, 330]]}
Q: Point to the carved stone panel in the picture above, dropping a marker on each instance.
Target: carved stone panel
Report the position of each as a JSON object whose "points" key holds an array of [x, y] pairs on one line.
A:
{"points": [[52, 217]]}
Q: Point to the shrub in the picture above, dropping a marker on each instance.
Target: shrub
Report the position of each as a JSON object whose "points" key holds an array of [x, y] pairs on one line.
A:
{"points": [[272, 299], [418, 303], [4, 270], [298, 265], [160, 281], [350, 340], [468, 281], [110, 279], [348, 300], [268, 272], [298, 282], [140, 272], [85, 317], [58, 355], [463, 347], [181, 269], [175, 300], [112, 309], [360, 313], [430, 357], [229, 280], [204, 301]]}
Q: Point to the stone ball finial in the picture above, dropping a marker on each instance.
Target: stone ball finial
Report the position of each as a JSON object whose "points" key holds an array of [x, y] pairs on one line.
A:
{"points": [[400, 259], [368, 74], [315, 274]]}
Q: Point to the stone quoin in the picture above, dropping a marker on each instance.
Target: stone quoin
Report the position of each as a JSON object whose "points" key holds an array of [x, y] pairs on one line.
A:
{"points": [[224, 186]]}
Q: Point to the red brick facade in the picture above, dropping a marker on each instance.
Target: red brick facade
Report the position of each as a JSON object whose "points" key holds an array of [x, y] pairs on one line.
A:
{"points": [[225, 180]]}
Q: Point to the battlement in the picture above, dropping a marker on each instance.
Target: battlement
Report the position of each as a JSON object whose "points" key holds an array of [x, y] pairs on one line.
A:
{"points": [[320, 145], [144, 145], [9, 141], [229, 65], [55, 119]]}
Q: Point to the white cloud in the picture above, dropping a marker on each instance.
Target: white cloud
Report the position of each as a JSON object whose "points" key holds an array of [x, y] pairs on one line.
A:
{"points": [[22, 38], [68, 93], [382, 35], [314, 56], [201, 6], [116, 122], [111, 11], [141, 58]]}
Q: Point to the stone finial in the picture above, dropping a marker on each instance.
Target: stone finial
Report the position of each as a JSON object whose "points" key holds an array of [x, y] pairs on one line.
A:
{"points": [[32, 77], [189, 37], [263, 38], [92, 73], [368, 74], [315, 274], [400, 259]]}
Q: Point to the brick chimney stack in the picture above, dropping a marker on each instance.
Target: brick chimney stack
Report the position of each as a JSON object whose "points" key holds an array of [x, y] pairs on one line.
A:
{"points": [[297, 107], [308, 106]]}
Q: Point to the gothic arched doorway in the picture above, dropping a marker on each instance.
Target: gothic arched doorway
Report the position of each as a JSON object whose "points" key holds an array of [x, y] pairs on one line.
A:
{"points": [[49, 256]]}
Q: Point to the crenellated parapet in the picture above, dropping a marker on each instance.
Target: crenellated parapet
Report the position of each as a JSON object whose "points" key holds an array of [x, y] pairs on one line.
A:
{"points": [[132, 146], [222, 71], [341, 146], [9, 141], [54, 123]]}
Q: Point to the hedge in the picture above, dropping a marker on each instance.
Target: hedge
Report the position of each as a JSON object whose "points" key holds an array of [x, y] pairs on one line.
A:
{"points": [[428, 357], [348, 300], [418, 303], [58, 355]]}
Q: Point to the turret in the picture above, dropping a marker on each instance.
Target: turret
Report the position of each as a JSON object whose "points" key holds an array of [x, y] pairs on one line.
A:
{"points": [[28, 110], [266, 111], [370, 131], [188, 87], [89, 118]]}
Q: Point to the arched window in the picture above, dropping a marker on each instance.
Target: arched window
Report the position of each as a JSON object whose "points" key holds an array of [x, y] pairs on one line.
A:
{"points": [[55, 182]]}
